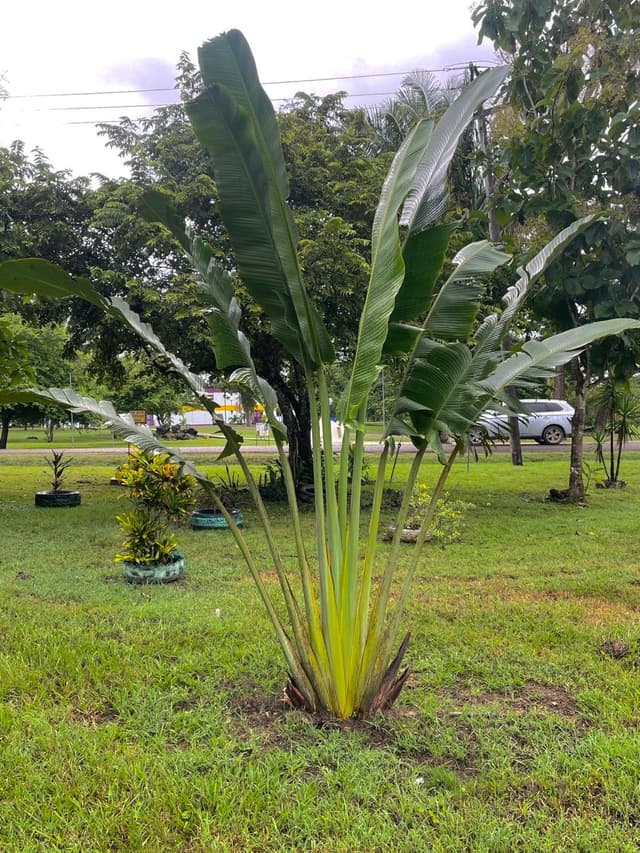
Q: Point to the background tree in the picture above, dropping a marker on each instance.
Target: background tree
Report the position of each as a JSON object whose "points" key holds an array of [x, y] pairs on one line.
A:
{"points": [[41, 357], [571, 145], [15, 364], [144, 388], [334, 184]]}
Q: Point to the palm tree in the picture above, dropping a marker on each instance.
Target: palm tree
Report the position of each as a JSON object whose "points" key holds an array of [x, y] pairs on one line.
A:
{"points": [[420, 95]]}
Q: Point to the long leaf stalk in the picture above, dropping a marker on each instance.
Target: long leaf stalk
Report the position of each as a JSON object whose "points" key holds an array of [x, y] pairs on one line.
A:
{"points": [[336, 533], [313, 611], [351, 560], [324, 567], [393, 627], [377, 618], [364, 592], [326, 535], [297, 671], [343, 478]]}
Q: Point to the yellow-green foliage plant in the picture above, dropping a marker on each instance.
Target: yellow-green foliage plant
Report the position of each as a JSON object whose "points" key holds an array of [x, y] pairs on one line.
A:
{"points": [[160, 493], [340, 621]]}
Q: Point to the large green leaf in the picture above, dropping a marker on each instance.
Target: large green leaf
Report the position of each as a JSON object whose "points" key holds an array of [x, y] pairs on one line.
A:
{"points": [[536, 357], [227, 61], [424, 255], [31, 275], [444, 391], [223, 313], [455, 308], [493, 330], [427, 199], [387, 270], [421, 186], [435, 372], [437, 394], [35, 276], [230, 120], [122, 427], [120, 309]]}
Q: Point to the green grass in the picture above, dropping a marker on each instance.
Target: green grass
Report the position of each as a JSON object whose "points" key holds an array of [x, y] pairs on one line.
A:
{"points": [[35, 439], [68, 439], [149, 718]]}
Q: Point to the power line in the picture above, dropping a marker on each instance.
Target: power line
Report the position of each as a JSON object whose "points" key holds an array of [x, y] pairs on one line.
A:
{"points": [[176, 104], [461, 66]]}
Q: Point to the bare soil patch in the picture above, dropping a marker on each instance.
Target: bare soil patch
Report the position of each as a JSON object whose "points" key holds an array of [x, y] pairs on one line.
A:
{"points": [[531, 698]]}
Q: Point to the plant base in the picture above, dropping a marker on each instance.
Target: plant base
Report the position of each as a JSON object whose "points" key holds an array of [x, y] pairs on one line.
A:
{"points": [[209, 519], [155, 572], [62, 498]]}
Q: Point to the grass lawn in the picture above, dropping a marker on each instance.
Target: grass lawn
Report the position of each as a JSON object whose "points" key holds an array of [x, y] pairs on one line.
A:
{"points": [[67, 439], [35, 439], [150, 718]]}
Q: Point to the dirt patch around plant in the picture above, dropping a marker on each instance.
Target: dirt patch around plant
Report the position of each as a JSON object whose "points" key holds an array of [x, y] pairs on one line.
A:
{"points": [[531, 698], [267, 714]]}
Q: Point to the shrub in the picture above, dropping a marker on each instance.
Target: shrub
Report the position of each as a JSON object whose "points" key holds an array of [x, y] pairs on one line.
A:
{"points": [[160, 494]]}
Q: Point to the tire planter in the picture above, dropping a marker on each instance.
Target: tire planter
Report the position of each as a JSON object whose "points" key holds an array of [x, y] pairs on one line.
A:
{"points": [[155, 572], [209, 519], [62, 498]]}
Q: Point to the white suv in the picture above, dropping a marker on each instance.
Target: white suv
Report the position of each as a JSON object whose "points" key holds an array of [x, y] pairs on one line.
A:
{"points": [[548, 421]]}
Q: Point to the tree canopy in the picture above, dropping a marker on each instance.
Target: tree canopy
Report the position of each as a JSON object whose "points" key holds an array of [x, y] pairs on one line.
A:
{"points": [[570, 144]]}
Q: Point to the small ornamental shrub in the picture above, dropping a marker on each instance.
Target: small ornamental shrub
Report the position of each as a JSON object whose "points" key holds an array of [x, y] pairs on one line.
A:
{"points": [[446, 525], [58, 466], [160, 495]]}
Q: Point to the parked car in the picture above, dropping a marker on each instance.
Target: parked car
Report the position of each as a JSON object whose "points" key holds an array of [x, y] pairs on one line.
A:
{"points": [[547, 421]]}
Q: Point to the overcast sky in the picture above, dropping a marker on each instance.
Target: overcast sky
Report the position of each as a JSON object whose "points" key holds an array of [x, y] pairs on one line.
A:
{"points": [[79, 46]]}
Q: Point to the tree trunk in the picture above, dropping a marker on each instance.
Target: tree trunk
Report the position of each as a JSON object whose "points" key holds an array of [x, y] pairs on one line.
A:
{"points": [[297, 419], [576, 483], [296, 415], [514, 423], [516, 443], [489, 181], [560, 384], [488, 176], [4, 431]]}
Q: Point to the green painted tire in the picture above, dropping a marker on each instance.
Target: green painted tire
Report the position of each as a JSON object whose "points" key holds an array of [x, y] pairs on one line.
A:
{"points": [[155, 572], [63, 498], [209, 519]]}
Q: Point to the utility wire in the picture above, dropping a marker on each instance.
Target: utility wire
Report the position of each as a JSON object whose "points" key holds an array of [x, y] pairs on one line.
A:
{"points": [[445, 68], [178, 103]]}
